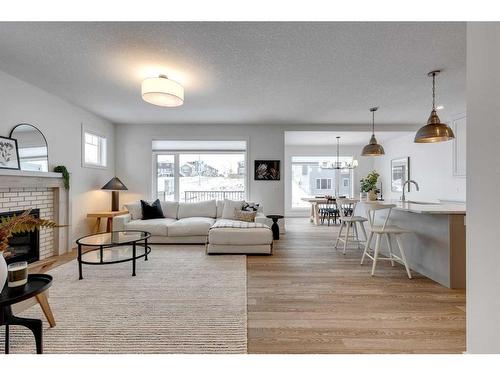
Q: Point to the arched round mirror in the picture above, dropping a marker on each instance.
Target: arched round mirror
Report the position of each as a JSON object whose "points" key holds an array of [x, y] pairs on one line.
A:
{"points": [[32, 145]]}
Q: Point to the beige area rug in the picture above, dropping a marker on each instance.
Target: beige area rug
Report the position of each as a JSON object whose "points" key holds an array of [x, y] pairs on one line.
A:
{"points": [[181, 301]]}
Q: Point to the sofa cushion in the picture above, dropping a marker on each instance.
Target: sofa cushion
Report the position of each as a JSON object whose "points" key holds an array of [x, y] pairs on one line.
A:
{"points": [[229, 207], [240, 236], [157, 227], [135, 210], [170, 209], [151, 210], [220, 208], [190, 226], [198, 209]]}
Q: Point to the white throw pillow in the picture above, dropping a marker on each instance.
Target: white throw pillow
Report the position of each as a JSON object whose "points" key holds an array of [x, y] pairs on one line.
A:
{"points": [[198, 209], [134, 209], [170, 209], [229, 207]]}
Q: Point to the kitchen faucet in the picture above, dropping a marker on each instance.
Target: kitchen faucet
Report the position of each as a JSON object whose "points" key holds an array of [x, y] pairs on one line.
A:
{"points": [[403, 198]]}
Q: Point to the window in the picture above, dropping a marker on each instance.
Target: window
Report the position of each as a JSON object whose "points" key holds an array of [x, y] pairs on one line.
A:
{"points": [[313, 175], [193, 176], [165, 165], [94, 150], [323, 183]]}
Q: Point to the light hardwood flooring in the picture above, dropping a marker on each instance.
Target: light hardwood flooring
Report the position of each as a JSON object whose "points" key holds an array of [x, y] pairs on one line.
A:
{"points": [[309, 298]]}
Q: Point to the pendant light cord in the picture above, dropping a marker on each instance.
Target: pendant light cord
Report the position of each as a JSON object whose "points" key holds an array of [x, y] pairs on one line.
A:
{"points": [[433, 91], [338, 145], [373, 122]]}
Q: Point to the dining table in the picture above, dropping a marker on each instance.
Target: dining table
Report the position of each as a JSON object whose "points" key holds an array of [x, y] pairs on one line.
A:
{"points": [[315, 202]]}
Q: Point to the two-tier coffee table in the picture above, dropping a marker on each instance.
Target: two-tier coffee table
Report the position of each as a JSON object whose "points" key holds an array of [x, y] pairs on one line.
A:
{"points": [[113, 247]]}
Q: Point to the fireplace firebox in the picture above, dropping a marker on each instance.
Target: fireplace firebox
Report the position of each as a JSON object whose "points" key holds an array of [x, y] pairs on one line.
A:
{"points": [[23, 246]]}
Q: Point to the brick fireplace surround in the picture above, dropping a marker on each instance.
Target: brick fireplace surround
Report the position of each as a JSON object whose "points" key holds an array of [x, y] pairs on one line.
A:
{"points": [[20, 190]]}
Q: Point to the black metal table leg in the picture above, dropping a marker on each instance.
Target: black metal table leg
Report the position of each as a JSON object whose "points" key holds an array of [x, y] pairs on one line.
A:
{"points": [[7, 339], [146, 249], [34, 325], [80, 262], [133, 259], [101, 253]]}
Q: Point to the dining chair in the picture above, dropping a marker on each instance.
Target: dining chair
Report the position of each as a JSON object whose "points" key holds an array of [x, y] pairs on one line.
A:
{"points": [[328, 211]]}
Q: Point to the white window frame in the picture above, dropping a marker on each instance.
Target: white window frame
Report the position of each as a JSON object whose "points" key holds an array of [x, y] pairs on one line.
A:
{"points": [[177, 154], [102, 155], [328, 182]]}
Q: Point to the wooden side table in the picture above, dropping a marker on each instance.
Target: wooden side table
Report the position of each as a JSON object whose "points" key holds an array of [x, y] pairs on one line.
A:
{"points": [[109, 215]]}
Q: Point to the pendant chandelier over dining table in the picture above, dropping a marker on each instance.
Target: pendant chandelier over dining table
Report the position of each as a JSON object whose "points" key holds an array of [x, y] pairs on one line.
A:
{"points": [[342, 164]]}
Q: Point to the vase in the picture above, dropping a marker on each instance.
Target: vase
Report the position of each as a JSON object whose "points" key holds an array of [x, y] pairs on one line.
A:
{"points": [[3, 271], [363, 195], [372, 196]]}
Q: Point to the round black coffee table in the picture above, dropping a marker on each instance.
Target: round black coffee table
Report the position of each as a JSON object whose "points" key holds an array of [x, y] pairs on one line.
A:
{"points": [[111, 248], [275, 227], [37, 283]]}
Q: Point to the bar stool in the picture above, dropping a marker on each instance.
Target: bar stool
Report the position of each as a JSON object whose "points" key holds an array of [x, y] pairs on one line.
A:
{"points": [[383, 230], [348, 221]]}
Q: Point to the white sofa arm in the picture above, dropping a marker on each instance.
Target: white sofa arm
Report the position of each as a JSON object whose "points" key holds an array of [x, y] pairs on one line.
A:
{"points": [[120, 221], [261, 218]]}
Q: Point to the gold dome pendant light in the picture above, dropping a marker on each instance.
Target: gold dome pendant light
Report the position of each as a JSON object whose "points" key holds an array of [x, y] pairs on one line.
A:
{"points": [[373, 148], [434, 131]]}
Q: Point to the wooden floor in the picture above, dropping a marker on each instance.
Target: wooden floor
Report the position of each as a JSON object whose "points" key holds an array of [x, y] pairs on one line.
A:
{"points": [[309, 298]]}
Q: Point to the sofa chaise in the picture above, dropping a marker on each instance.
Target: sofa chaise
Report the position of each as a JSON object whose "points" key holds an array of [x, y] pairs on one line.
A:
{"points": [[208, 222]]}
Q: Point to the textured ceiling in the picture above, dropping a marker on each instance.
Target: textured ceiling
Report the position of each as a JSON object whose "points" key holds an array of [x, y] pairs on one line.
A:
{"points": [[272, 73]]}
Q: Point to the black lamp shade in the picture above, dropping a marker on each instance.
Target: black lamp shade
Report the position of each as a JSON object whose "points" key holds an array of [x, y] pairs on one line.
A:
{"points": [[114, 184]]}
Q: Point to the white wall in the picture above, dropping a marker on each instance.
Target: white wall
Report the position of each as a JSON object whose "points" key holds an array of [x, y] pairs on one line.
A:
{"points": [[483, 205], [364, 167], [134, 158], [134, 162], [60, 122], [431, 165]]}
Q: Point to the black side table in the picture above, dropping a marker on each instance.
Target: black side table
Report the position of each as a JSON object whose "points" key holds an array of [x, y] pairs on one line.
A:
{"points": [[37, 283], [275, 227]]}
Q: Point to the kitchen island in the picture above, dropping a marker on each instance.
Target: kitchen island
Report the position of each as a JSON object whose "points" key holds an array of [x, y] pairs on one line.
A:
{"points": [[436, 246]]}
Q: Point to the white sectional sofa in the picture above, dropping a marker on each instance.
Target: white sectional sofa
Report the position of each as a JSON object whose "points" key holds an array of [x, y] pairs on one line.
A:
{"points": [[201, 223]]}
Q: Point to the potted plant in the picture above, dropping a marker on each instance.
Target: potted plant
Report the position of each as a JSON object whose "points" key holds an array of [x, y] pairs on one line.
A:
{"points": [[369, 185], [17, 224]]}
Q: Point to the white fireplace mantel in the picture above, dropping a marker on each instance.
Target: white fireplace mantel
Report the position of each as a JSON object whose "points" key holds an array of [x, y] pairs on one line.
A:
{"points": [[13, 179]]}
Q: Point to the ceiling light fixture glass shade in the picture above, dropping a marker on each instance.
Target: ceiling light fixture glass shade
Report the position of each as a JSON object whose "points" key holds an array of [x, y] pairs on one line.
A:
{"points": [[373, 148], [435, 130], [162, 91]]}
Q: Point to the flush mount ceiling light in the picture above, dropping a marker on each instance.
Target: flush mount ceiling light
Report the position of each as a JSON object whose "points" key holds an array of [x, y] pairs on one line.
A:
{"points": [[373, 148], [162, 91], [434, 131]]}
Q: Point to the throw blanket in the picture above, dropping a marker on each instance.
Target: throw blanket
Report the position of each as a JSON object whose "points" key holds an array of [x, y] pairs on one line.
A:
{"points": [[237, 224]]}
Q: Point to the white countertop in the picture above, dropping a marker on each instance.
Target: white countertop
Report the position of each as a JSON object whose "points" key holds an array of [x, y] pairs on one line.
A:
{"points": [[436, 208]]}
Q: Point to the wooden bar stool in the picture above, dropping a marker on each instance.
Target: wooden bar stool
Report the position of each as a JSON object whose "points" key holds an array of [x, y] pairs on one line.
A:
{"points": [[348, 221], [383, 230]]}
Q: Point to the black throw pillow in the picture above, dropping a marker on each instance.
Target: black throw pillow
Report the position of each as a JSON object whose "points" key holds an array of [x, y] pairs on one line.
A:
{"points": [[151, 211]]}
